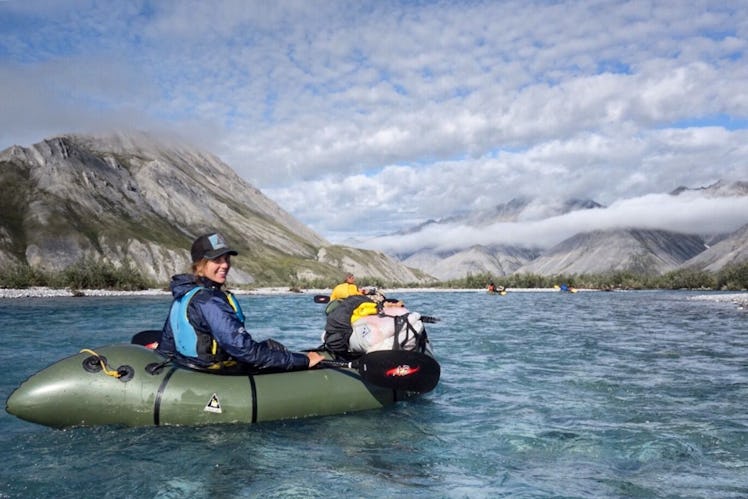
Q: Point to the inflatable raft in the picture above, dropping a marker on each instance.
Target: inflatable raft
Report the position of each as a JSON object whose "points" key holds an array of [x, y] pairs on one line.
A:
{"points": [[132, 385]]}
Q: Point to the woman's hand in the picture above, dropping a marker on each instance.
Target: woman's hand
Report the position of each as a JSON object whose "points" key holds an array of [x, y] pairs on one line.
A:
{"points": [[314, 358]]}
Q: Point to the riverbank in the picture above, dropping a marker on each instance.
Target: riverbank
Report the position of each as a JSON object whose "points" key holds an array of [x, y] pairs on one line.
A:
{"points": [[44, 292], [738, 298]]}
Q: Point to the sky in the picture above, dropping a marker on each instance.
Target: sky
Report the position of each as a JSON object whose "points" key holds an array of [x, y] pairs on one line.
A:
{"points": [[362, 118]]}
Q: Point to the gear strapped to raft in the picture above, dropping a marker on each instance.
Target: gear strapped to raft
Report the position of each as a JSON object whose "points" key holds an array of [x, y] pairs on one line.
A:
{"points": [[358, 325]]}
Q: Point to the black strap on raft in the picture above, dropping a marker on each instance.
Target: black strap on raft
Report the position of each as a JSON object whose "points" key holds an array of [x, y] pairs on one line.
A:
{"points": [[403, 324], [155, 368]]}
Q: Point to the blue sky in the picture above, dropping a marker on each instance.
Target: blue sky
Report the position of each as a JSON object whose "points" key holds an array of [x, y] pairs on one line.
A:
{"points": [[362, 118]]}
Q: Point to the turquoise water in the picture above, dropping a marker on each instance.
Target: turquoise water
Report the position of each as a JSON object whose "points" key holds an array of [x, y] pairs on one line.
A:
{"points": [[638, 394]]}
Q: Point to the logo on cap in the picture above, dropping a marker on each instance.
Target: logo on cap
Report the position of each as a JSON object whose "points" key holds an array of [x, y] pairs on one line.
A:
{"points": [[216, 241]]}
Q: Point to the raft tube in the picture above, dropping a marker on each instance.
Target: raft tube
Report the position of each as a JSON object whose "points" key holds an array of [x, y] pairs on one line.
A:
{"points": [[80, 390]]}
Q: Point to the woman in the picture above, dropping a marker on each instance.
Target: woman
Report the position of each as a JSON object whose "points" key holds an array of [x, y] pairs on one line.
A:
{"points": [[205, 327]]}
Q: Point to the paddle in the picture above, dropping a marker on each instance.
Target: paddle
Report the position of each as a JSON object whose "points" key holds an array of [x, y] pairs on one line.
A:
{"points": [[397, 369], [148, 339], [424, 318]]}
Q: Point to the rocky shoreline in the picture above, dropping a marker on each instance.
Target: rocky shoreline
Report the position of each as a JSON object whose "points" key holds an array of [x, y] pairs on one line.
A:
{"points": [[44, 292], [738, 298]]}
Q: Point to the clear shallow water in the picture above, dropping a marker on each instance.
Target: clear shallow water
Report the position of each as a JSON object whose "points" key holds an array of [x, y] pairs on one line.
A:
{"points": [[641, 394]]}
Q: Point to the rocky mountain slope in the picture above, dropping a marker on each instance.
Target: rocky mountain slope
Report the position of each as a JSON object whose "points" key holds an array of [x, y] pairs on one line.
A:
{"points": [[130, 198], [728, 251], [638, 251], [496, 260]]}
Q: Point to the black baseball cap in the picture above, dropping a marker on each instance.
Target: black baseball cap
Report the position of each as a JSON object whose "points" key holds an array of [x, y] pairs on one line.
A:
{"points": [[210, 246]]}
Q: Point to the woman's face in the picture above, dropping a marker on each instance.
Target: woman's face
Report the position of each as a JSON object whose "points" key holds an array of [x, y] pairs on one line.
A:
{"points": [[217, 269]]}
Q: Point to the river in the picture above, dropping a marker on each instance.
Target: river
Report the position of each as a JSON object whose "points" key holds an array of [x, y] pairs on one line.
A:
{"points": [[543, 394]]}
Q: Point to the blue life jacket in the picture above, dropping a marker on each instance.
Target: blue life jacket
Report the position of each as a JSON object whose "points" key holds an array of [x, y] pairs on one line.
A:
{"points": [[190, 342]]}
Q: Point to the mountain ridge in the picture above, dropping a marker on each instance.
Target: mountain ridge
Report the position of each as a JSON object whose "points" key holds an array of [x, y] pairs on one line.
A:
{"points": [[636, 250], [130, 197], [578, 252]]}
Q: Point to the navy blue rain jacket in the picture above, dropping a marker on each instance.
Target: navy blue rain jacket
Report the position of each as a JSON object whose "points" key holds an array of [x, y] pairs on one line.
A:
{"points": [[210, 311]]}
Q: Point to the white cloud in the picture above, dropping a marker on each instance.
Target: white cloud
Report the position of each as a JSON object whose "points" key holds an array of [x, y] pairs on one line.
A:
{"points": [[363, 118], [686, 214]]}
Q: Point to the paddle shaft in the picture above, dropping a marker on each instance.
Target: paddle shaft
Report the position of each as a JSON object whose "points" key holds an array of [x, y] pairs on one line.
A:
{"points": [[424, 318]]}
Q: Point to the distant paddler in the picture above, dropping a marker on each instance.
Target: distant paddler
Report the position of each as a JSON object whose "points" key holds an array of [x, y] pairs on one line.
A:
{"points": [[492, 288]]}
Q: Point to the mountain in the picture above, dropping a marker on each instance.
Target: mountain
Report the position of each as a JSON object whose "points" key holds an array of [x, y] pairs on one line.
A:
{"points": [[717, 189], [729, 251], [496, 260], [515, 210], [639, 251], [133, 198], [593, 238]]}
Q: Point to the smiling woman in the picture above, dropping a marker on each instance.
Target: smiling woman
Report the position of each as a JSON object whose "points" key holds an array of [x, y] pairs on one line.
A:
{"points": [[216, 269], [205, 326]]}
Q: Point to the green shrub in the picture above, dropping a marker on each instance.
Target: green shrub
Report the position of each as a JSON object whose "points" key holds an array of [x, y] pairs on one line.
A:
{"points": [[687, 279], [22, 276], [88, 274], [733, 277], [95, 274]]}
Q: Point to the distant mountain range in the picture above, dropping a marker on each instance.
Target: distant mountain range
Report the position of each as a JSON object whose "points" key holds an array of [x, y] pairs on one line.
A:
{"points": [[636, 249], [130, 198]]}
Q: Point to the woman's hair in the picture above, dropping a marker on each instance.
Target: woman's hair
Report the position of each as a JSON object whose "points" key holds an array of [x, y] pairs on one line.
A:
{"points": [[196, 266]]}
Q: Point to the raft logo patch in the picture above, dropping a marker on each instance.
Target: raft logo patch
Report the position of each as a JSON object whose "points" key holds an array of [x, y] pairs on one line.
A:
{"points": [[402, 370], [214, 405]]}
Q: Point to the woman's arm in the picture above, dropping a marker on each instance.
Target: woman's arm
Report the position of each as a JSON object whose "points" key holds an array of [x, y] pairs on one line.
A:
{"points": [[219, 318]]}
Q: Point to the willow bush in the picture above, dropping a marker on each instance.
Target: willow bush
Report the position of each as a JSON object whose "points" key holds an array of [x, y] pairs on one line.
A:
{"points": [[85, 274], [733, 277], [22, 276], [730, 278], [103, 275]]}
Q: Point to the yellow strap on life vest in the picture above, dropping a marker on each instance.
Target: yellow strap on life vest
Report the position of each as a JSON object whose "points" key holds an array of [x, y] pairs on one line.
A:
{"points": [[235, 305], [232, 301], [217, 366]]}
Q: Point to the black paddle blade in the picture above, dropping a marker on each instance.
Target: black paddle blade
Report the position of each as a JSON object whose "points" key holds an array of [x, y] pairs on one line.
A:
{"points": [[400, 370], [148, 339], [321, 298]]}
